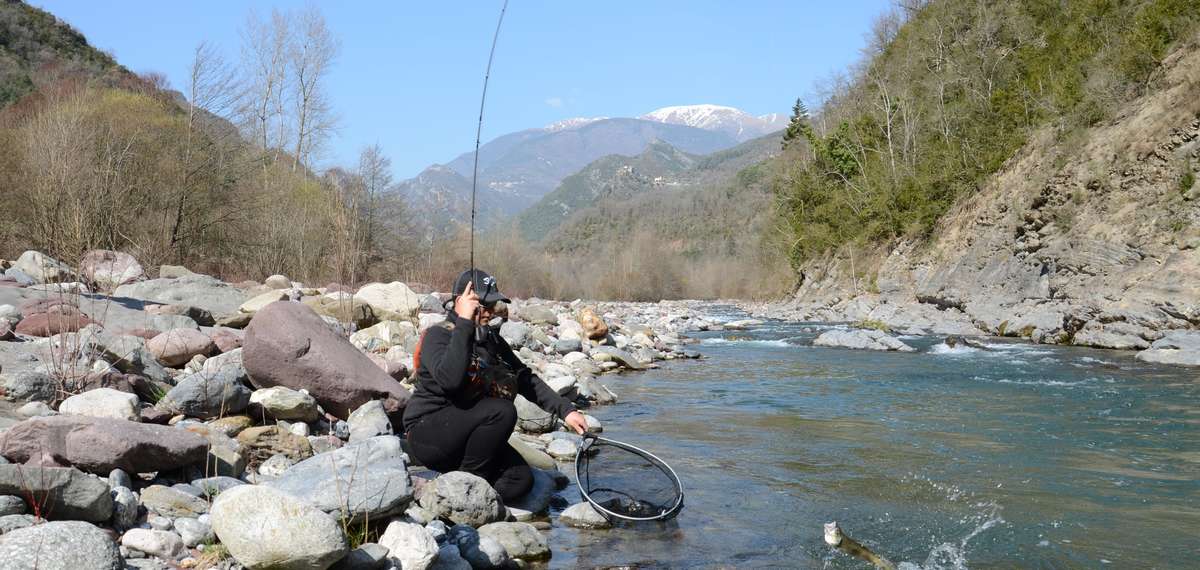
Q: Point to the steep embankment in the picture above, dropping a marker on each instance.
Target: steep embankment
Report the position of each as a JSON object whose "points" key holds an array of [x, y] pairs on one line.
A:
{"points": [[1091, 241]]}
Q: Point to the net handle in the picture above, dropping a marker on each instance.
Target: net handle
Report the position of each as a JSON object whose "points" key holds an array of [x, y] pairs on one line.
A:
{"points": [[590, 438]]}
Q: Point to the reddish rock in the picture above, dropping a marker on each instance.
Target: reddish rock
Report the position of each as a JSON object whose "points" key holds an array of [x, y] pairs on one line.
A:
{"points": [[227, 339], [153, 415], [110, 269], [177, 346], [38, 306], [59, 319], [99, 445], [287, 344]]}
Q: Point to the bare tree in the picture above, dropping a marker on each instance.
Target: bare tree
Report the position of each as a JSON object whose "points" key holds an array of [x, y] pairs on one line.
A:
{"points": [[264, 60], [311, 55]]}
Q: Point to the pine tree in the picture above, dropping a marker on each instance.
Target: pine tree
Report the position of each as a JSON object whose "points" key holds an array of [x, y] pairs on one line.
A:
{"points": [[798, 125]]}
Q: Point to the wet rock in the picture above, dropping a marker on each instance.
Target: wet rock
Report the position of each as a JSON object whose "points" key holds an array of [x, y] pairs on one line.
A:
{"points": [[289, 345], [861, 339], [177, 346], [159, 543], [409, 545], [391, 301], [583, 515], [63, 493], [99, 445], [521, 540], [172, 503], [102, 403], [365, 480], [64, 545], [462, 498], [602, 353], [265, 528], [286, 404], [369, 420]]}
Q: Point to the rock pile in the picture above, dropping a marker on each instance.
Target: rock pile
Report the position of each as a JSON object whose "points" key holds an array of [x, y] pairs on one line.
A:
{"points": [[155, 432]]}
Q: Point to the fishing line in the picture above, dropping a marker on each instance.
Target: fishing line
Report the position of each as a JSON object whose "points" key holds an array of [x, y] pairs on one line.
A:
{"points": [[479, 131]]}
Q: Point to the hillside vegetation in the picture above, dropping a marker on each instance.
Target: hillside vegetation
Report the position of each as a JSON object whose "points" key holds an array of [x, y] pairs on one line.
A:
{"points": [[947, 92]]}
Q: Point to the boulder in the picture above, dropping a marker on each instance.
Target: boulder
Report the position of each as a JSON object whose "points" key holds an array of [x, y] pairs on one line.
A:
{"points": [[344, 311], [562, 449], [368, 421], [227, 339], [200, 316], [1116, 335], [11, 505], [102, 403], [479, 551], [567, 345], [537, 314], [158, 543], [125, 508], [278, 282], [65, 545], [208, 293], [193, 531], [364, 480], [531, 418], [534, 456], [537, 500], [265, 528], [110, 269], [172, 503], [62, 493], [175, 272], [594, 327], [616, 355], [391, 301], [213, 486], [177, 346], [9, 523], [58, 319], [386, 334], [260, 443], [99, 445], [28, 386], [256, 303], [43, 268], [287, 344], [516, 334], [129, 354], [462, 498], [521, 540], [861, 339], [224, 454], [409, 545], [569, 329], [286, 404], [583, 515], [207, 395], [1176, 347]]}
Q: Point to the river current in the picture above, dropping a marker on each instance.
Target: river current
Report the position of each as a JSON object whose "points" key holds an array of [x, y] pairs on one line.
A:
{"points": [[1019, 456]]}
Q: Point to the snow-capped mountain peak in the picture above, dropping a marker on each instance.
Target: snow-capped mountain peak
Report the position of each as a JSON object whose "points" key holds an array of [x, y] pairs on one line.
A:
{"points": [[572, 123], [740, 124]]}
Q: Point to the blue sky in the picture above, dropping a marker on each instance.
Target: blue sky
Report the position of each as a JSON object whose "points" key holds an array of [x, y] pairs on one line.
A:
{"points": [[409, 74]]}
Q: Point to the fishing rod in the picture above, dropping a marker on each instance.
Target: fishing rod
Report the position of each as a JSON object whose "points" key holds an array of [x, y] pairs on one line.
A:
{"points": [[479, 332]]}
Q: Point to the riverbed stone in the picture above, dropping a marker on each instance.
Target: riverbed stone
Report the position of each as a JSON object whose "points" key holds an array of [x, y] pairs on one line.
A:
{"points": [[159, 543], [11, 505], [594, 327], [193, 531], [368, 556], [257, 302], [409, 545], [391, 301], [521, 540], [535, 457], [9, 523], [368, 421], [208, 293], [205, 396], [364, 480], [284, 403], [260, 443], [28, 386], [583, 515], [288, 345], [177, 346], [479, 551], [42, 268], [60, 545], [125, 508], [861, 339], [462, 498], [1176, 347], [516, 334], [265, 528], [450, 558], [616, 355], [99, 445], [63, 493], [110, 269], [103, 403], [172, 503]]}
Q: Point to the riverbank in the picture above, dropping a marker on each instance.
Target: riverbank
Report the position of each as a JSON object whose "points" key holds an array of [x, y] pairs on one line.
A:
{"points": [[181, 421]]}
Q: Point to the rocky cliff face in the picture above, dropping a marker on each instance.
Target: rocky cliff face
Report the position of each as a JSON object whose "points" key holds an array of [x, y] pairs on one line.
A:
{"points": [[1089, 238]]}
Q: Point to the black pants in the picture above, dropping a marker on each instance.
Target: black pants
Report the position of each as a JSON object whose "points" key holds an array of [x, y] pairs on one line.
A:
{"points": [[474, 440]]}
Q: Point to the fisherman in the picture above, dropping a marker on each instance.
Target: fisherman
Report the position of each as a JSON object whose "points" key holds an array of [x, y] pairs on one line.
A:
{"points": [[462, 413]]}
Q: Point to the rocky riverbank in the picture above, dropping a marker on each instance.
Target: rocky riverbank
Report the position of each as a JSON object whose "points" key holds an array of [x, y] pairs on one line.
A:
{"points": [[184, 422]]}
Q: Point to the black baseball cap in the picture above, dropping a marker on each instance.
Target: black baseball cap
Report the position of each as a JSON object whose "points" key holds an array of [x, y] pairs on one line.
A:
{"points": [[485, 286]]}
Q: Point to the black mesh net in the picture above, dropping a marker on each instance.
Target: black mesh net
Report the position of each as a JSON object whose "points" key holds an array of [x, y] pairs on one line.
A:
{"points": [[626, 482]]}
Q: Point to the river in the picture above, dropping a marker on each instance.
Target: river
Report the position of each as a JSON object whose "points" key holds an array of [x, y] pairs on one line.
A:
{"points": [[1026, 456]]}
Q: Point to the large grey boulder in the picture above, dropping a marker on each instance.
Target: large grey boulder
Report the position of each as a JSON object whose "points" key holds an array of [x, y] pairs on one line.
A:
{"points": [[65, 545], [287, 344], [391, 301], [368, 421], [521, 540], [202, 291], [265, 528], [409, 545], [1176, 347], [516, 334], [367, 479], [861, 339], [62, 493], [99, 445], [43, 268], [207, 395], [462, 498]]}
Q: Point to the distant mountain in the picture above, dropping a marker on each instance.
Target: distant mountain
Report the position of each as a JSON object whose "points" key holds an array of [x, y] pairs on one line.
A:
{"points": [[673, 193], [736, 123]]}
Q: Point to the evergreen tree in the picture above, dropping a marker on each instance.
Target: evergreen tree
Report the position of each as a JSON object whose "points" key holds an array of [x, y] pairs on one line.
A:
{"points": [[798, 125]]}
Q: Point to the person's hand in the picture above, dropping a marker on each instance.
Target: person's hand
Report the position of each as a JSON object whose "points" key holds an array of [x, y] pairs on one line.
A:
{"points": [[467, 304], [576, 421]]}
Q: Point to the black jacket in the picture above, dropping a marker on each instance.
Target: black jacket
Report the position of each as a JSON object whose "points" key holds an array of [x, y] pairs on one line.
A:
{"points": [[442, 381]]}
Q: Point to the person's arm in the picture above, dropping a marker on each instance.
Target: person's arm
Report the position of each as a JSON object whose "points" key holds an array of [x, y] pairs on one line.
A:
{"points": [[448, 355], [533, 388]]}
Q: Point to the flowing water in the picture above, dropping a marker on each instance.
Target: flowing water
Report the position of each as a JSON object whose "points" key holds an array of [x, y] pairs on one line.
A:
{"points": [[1021, 456]]}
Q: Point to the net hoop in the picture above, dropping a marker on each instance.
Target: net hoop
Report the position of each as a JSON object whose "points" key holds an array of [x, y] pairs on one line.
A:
{"points": [[667, 514]]}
